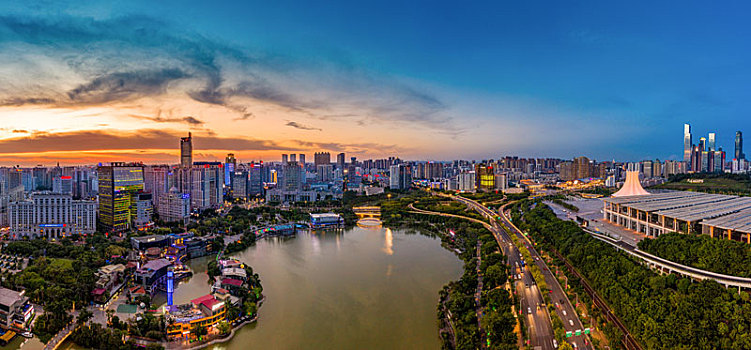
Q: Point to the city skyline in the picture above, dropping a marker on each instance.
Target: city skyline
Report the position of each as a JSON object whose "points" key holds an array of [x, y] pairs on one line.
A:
{"points": [[123, 81]]}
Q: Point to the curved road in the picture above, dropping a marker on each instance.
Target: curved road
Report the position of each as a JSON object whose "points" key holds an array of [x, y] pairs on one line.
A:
{"points": [[542, 332]]}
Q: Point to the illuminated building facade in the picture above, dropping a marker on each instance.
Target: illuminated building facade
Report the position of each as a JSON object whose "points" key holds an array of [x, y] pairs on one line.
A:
{"points": [[205, 311], [484, 178], [119, 187]]}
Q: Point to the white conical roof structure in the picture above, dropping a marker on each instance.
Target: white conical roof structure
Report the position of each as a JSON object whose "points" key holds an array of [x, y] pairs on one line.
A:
{"points": [[632, 186]]}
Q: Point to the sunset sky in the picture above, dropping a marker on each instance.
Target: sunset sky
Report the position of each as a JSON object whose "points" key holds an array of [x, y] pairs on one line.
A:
{"points": [[97, 81]]}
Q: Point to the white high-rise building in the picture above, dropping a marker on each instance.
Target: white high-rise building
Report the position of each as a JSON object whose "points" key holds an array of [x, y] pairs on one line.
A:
{"points": [[157, 180], [687, 143], [174, 206], [466, 181], [204, 182]]}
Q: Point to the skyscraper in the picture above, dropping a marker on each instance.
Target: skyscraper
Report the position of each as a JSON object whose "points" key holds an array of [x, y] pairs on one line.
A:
{"points": [[293, 177], [230, 164], [687, 143], [321, 158], [119, 185], [400, 177], [255, 179], [285, 159], [302, 160], [186, 151], [340, 161], [484, 177], [711, 142], [739, 146]]}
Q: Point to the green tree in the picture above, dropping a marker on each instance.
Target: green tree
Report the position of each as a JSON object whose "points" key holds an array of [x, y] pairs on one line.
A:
{"points": [[224, 327], [199, 331]]}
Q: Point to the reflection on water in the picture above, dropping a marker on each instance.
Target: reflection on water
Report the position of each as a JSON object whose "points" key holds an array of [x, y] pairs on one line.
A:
{"points": [[389, 242]]}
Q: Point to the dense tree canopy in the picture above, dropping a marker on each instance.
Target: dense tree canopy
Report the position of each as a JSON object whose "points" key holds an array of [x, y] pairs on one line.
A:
{"points": [[703, 252], [662, 312]]}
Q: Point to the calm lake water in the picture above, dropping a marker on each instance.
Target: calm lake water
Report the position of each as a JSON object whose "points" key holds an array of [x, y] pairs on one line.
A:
{"points": [[358, 289], [362, 288]]}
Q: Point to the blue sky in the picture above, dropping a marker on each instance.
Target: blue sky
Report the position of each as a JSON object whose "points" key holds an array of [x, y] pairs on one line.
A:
{"points": [[430, 80]]}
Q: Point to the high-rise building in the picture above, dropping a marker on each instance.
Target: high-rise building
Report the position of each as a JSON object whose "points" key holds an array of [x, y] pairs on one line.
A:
{"points": [[695, 159], [582, 167], [240, 184], [186, 151], [204, 183], [302, 160], [466, 181], [256, 178], [174, 206], [719, 161], [230, 164], [739, 146], [657, 168], [647, 169], [62, 184], [158, 180], [687, 145], [285, 158], [704, 161], [119, 185], [321, 158], [143, 210], [292, 177], [400, 177], [340, 161], [324, 172], [711, 142], [484, 177]]}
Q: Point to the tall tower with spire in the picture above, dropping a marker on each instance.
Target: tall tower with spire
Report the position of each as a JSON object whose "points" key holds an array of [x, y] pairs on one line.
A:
{"points": [[186, 151]]}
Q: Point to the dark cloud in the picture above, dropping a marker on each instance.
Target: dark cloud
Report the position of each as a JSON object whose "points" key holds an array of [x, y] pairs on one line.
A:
{"points": [[162, 119], [246, 116], [149, 139], [89, 140], [301, 126], [192, 120], [122, 86], [20, 101]]}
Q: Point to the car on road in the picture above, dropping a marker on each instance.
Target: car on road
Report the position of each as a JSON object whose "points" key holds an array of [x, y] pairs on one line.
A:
{"points": [[529, 310], [571, 322], [555, 344], [564, 312]]}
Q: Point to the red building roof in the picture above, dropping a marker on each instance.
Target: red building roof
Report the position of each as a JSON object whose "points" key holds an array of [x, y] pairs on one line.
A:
{"points": [[207, 300], [232, 282]]}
